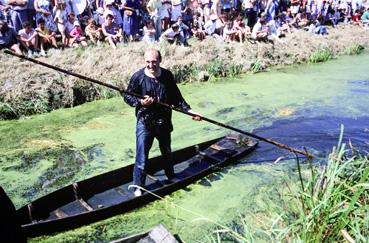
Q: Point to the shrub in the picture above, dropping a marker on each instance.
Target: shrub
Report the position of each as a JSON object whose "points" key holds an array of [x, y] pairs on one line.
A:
{"points": [[321, 55], [355, 50]]}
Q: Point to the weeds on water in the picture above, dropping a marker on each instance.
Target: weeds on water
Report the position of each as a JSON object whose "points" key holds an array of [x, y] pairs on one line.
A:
{"points": [[321, 55]]}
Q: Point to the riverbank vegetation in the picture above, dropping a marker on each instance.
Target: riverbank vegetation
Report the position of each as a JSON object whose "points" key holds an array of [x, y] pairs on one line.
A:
{"points": [[27, 89], [330, 205]]}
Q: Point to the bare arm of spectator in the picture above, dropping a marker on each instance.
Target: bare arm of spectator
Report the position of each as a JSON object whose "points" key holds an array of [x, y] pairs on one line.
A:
{"points": [[17, 2]]}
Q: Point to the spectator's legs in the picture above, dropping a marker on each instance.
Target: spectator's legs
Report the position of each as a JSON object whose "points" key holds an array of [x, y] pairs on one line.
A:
{"points": [[157, 24], [17, 18]]}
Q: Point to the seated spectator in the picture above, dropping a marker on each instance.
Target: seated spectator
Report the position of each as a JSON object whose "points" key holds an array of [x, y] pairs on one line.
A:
{"points": [[183, 28], [198, 32], [46, 37], [93, 32], [229, 34], [260, 30], [356, 17], [77, 36], [29, 37], [365, 18], [211, 27], [333, 17], [242, 31], [69, 25], [172, 35], [9, 38], [317, 28], [300, 21], [111, 31], [112, 10], [149, 31], [283, 24]]}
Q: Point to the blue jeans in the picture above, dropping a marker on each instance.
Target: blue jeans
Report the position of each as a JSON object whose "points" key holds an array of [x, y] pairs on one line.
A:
{"points": [[144, 140]]}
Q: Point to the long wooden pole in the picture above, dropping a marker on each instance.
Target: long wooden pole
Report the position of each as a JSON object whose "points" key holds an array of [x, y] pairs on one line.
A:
{"points": [[267, 140]]}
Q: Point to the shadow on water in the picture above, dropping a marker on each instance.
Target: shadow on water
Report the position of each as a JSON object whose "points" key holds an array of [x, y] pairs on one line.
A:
{"points": [[318, 135]]}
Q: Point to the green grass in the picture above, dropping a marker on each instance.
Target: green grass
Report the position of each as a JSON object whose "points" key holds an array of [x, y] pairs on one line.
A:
{"points": [[355, 50], [321, 55], [333, 205]]}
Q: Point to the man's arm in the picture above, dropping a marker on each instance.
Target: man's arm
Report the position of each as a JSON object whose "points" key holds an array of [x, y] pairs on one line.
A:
{"points": [[132, 87], [17, 2]]}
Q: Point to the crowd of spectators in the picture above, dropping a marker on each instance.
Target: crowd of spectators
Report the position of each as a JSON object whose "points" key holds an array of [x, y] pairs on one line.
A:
{"points": [[33, 26]]}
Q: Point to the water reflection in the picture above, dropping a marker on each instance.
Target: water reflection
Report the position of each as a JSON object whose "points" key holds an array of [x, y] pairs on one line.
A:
{"points": [[317, 134]]}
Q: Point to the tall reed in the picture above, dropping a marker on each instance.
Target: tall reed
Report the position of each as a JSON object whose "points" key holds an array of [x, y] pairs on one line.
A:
{"points": [[334, 203]]}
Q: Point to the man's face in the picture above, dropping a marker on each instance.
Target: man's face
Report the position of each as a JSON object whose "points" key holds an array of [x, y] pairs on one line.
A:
{"points": [[152, 61]]}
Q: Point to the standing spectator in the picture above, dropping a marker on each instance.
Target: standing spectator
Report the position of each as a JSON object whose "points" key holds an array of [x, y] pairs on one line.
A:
{"points": [[165, 14], [29, 37], [130, 19], [18, 13], [154, 9], [46, 36], [44, 10], [99, 16], [176, 10], [149, 32], [9, 38], [111, 31], [60, 19], [250, 11]]}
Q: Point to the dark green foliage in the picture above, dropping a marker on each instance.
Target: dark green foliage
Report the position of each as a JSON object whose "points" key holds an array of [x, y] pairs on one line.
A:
{"points": [[321, 55], [185, 73]]}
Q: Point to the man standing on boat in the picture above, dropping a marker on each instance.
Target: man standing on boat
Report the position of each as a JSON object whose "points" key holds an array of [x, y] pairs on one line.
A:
{"points": [[155, 84]]}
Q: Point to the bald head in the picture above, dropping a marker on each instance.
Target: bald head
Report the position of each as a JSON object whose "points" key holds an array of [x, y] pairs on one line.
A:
{"points": [[152, 61], [153, 53]]}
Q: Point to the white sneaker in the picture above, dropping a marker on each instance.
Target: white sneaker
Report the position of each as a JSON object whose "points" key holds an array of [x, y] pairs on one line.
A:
{"points": [[43, 53], [137, 193]]}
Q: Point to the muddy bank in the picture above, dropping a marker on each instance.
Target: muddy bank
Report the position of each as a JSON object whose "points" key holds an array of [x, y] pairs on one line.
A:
{"points": [[27, 89]]}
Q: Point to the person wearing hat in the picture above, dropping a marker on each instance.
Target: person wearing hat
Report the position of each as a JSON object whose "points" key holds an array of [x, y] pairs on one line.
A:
{"points": [[77, 36], [155, 84]]}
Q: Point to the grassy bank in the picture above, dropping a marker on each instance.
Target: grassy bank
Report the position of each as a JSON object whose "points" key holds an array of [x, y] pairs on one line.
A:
{"points": [[27, 89]]}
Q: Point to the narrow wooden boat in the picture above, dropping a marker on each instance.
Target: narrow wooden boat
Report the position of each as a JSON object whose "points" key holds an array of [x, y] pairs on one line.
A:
{"points": [[159, 234], [107, 194]]}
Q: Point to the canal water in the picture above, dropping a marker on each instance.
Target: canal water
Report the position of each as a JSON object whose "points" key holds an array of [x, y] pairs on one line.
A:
{"points": [[301, 106]]}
